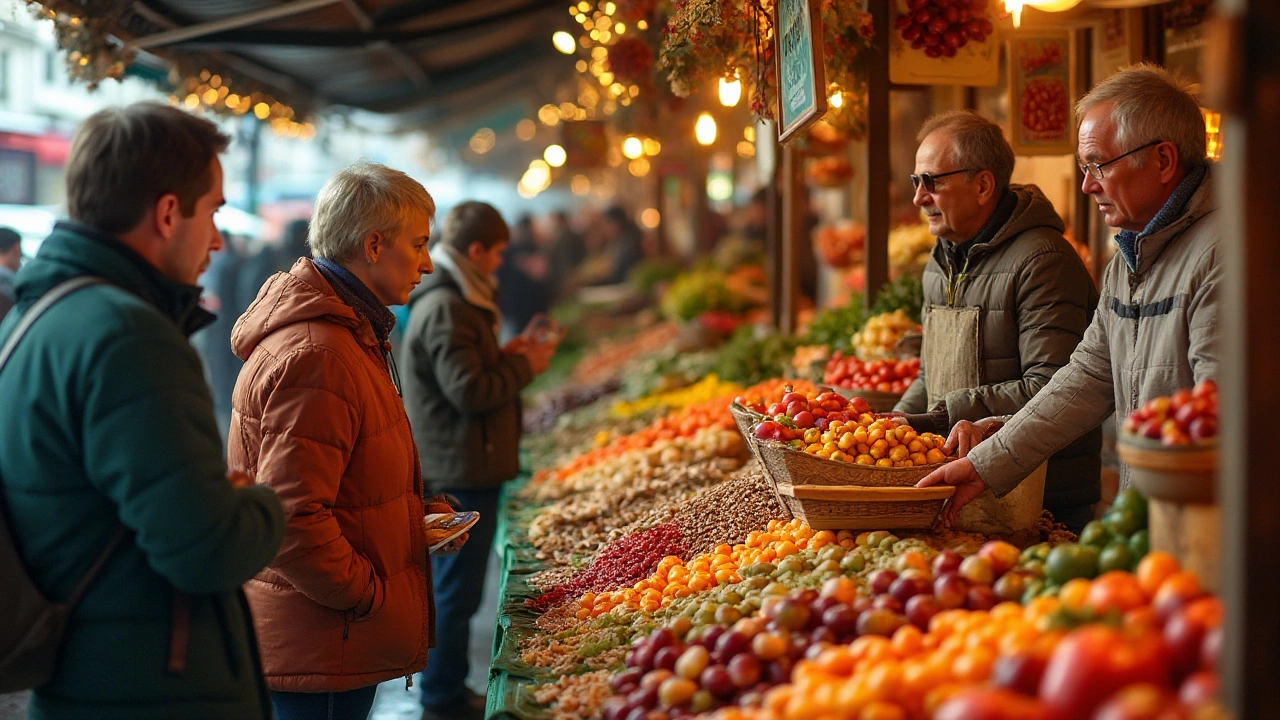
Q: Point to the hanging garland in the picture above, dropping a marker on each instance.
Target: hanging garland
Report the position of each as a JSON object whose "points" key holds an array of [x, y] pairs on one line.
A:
{"points": [[705, 40], [92, 55]]}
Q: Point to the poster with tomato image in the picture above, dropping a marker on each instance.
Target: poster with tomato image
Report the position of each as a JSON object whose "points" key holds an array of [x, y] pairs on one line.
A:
{"points": [[1040, 87], [944, 42]]}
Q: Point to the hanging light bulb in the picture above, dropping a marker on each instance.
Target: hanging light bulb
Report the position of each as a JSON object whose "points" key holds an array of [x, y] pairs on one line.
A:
{"points": [[836, 99], [564, 42], [555, 155], [632, 147], [730, 90], [705, 129], [1015, 7]]}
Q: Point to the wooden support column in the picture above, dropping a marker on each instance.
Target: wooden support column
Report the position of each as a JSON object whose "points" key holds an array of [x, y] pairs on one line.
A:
{"points": [[1241, 58], [795, 234], [877, 157]]}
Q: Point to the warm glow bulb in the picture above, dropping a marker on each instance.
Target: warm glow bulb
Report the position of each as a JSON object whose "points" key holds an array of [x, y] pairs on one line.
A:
{"points": [[705, 129], [1014, 8], [554, 155], [730, 91], [632, 147], [564, 42], [836, 99]]}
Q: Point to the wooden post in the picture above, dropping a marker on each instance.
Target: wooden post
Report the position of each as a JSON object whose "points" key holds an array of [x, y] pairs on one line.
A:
{"points": [[877, 156], [773, 239], [1250, 342], [795, 234]]}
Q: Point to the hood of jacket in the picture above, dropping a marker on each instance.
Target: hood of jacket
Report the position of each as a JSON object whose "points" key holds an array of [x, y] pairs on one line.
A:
{"points": [[75, 249], [299, 295]]}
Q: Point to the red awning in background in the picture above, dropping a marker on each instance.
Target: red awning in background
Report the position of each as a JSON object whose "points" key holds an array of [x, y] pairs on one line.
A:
{"points": [[49, 148]]}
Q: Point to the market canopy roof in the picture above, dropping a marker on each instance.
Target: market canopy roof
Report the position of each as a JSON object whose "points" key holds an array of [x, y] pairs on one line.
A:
{"points": [[421, 58]]}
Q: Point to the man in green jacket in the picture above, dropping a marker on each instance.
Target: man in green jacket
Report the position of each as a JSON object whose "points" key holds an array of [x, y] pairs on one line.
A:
{"points": [[1006, 298], [109, 424], [1141, 150]]}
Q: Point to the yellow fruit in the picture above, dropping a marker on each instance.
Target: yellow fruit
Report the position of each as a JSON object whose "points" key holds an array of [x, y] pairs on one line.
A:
{"points": [[846, 441], [935, 456], [884, 462], [865, 459]]}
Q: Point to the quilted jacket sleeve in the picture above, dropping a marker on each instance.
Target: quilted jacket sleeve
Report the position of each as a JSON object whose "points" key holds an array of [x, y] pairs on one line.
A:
{"points": [[1078, 398], [310, 423], [1053, 294], [151, 445]]}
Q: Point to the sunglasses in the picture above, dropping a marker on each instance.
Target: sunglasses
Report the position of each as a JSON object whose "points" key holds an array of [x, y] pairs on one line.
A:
{"points": [[929, 180]]}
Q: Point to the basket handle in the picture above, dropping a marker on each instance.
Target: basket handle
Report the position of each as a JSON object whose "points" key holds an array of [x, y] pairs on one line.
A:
{"points": [[866, 494]]}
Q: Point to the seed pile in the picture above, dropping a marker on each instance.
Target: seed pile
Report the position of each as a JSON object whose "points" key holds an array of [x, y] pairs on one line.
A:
{"points": [[726, 513], [575, 696], [621, 563]]}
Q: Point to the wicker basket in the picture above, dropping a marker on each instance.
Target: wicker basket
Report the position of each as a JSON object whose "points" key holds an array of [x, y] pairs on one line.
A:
{"points": [[793, 467], [879, 401], [746, 420], [826, 507]]}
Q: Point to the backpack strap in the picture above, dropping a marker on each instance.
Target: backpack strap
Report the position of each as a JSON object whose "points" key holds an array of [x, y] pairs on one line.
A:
{"points": [[29, 318], [59, 291]]}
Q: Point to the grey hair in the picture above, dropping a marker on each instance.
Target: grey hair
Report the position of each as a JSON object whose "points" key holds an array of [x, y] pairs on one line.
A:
{"points": [[977, 144], [361, 199], [1150, 103]]}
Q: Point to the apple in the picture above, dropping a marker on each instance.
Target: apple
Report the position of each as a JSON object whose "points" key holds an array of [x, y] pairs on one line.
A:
{"points": [[881, 580], [977, 570], [715, 680], [1019, 671], [840, 619], [921, 609], [951, 590], [947, 561], [981, 597], [1002, 556], [990, 704], [1093, 662]]}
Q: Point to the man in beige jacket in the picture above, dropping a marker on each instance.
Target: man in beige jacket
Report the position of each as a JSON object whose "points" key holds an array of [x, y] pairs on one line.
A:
{"points": [[1142, 151]]}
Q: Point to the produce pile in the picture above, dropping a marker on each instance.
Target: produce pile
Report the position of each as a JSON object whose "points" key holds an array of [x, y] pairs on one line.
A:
{"points": [[1188, 417], [655, 574], [886, 376]]}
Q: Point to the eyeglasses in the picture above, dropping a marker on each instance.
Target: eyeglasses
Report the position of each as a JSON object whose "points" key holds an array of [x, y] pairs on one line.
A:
{"points": [[928, 180], [1094, 170]]}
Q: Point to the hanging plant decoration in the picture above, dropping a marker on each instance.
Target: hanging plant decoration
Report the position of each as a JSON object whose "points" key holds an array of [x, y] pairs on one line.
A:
{"points": [[705, 40], [92, 55], [631, 62]]}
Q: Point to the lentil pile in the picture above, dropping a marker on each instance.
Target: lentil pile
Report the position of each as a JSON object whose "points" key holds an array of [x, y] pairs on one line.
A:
{"points": [[575, 696], [621, 563], [726, 513]]}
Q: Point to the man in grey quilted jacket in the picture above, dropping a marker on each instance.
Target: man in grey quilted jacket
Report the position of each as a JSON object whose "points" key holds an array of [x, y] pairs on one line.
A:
{"points": [[1006, 299], [1141, 148]]}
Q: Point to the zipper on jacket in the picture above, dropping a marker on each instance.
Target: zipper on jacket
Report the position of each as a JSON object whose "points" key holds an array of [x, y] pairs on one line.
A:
{"points": [[955, 281]]}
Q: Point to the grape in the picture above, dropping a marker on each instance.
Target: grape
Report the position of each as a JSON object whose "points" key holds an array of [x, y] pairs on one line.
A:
{"points": [[715, 680], [744, 670]]}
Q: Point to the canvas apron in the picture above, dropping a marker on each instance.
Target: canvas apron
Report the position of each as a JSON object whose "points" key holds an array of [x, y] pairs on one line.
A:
{"points": [[952, 359]]}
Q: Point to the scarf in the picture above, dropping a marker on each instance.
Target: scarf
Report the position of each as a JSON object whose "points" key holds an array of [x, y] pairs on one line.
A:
{"points": [[1173, 208], [355, 293], [477, 288]]}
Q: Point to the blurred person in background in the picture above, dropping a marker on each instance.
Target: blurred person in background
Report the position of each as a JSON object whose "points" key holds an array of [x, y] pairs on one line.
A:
{"points": [[624, 242], [317, 416], [270, 259], [568, 250], [524, 278], [462, 392], [10, 261], [221, 293]]}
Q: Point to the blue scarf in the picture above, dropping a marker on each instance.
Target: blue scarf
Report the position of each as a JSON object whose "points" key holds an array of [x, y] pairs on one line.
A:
{"points": [[361, 299], [1172, 210]]}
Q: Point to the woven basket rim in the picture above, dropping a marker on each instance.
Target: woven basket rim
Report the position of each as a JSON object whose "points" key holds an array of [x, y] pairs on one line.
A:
{"points": [[779, 445]]}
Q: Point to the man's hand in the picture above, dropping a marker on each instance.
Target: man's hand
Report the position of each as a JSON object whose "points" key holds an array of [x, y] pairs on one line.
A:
{"points": [[239, 478], [966, 435], [968, 484], [538, 354], [435, 536], [515, 344]]}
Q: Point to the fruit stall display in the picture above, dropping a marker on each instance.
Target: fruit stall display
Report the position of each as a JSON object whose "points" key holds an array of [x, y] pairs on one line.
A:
{"points": [[650, 572]]}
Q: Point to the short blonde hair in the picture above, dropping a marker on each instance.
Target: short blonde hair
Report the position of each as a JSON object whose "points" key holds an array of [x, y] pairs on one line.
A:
{"points": [[361, 199], [1150, 103]]}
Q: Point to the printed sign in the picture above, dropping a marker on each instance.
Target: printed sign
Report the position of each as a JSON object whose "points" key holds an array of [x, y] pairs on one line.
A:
{"points": [[802, 83], [1040, 88]]}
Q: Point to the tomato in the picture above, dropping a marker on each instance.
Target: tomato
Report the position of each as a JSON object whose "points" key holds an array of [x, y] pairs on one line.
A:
{"points": [[989, 704], [1141, 702], [1093, 662]]}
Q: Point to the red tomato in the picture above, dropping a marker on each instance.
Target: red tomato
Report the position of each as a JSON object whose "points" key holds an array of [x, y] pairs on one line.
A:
{"points": [[991, 704], [1093, 662]]}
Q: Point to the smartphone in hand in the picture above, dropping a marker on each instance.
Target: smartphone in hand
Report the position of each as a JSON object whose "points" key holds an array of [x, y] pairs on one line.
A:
{"points": [[444, 528]]}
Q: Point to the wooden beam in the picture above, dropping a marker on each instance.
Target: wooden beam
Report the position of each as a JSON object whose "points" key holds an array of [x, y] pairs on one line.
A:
{"points": [[169, 37], [877, 158], [1083, 205], [1250, 386], [795, 234]]}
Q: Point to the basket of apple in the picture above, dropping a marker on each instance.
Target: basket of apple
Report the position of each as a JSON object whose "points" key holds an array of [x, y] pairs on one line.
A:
{"points": [[833, 462], [1170, 446], [880, 382]]}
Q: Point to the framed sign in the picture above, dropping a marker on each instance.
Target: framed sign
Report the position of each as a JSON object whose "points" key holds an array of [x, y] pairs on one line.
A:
{"points": [[1040, 91], [928, 50], [802, 83]]}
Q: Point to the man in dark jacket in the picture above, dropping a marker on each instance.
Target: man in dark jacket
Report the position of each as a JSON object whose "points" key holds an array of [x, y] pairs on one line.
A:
{"points": [[10, 261], [1006, 298], [462, 393], [110, 425]]}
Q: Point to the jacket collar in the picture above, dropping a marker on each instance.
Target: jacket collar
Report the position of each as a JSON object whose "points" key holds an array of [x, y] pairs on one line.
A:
{"points": [[1202, 202], [1028, 209], [76, 249]]}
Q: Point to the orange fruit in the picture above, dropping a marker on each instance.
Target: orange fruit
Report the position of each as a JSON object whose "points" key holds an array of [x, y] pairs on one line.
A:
{"points": [[1153, 570], [1116, 590], [1075, 594], [879, 710]]}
